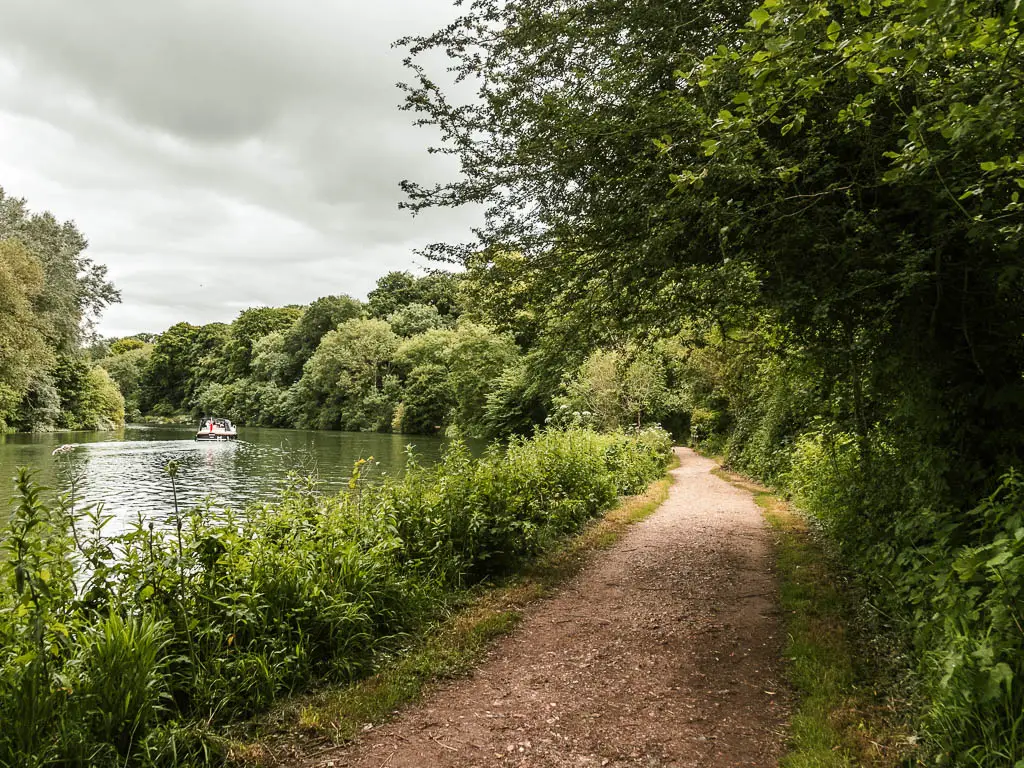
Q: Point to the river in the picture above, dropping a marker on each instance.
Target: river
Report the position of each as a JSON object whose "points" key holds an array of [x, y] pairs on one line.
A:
{"points": [[123, 469]]}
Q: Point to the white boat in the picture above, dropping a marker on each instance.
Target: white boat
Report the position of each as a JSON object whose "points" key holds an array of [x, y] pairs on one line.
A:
{"points": [[216, 429]]}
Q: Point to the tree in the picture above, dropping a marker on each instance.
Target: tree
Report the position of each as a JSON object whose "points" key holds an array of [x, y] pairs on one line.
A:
{"points": [[24, 354], [644, 387], [128, 367], [76, 289], [396, 290], [426, 400], [594, 393], [249, 327], [699, 160], [50, 295], [348, 383], [323, 315], [128, 344], [168, 376], [414, 319], [472, 357], [270, 360]]}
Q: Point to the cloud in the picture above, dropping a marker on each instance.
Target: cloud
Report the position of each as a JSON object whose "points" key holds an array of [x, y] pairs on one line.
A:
{"points": [[249, 145]]}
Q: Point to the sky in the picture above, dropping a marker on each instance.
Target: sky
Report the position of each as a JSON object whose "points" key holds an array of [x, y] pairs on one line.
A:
{"points": [[221, 155]]}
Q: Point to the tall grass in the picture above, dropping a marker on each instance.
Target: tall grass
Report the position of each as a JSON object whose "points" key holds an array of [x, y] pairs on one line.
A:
{"points": [[124, 650]]}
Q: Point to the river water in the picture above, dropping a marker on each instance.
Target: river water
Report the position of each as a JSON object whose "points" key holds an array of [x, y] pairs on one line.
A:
{"points": [[124, 469]]}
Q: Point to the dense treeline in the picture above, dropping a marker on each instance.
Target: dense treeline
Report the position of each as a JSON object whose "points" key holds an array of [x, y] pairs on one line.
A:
{"points": [[50, 292], [421, 355], [132, 650], [819, 200]]}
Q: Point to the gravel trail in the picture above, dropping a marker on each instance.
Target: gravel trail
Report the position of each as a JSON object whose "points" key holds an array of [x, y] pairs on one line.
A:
{"points": [[665, 651]]}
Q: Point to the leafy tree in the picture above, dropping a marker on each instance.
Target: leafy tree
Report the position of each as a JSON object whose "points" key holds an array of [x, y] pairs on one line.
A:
{"points": [[50, 294], [128, 344], [24, 353], [89, 397], [676, 152], [323, 315], [426, 400], [473, 356], [594, 392], [518, 401], [249, 327], [270, 360], [128, 367], [644, 387], [169, 373], [414, 319], [400, 289], [76, 289], [348, 383]]}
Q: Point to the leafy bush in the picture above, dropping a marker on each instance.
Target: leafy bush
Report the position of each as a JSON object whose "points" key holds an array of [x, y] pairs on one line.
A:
{"points": [[114, 649]]}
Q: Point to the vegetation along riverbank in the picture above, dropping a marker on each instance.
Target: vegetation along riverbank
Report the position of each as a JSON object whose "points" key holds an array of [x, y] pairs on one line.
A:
{"points": [[132, 649], [790, 233]]}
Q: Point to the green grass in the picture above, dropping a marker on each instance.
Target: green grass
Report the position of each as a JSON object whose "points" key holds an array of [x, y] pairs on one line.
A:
{"points": [[452, 648], [835, 722]]}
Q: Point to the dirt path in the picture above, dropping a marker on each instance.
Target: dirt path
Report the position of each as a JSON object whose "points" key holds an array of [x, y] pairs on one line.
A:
{"points": [[664, 652]]}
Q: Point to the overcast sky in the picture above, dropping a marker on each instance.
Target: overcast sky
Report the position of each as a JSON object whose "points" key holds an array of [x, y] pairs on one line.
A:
{"points": [[220, 155]]}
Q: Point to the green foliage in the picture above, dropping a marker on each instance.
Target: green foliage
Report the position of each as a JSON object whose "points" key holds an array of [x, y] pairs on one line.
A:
{"points": [[75, 289], [50, 294], [24, 353], [124, 650], [127, 367], [397, 290], [348, 383], [248, 328], [415, 319], [323, 315]]}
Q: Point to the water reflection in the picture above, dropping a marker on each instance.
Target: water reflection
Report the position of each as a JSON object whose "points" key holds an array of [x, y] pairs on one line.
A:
{"points": [[124, 469]]}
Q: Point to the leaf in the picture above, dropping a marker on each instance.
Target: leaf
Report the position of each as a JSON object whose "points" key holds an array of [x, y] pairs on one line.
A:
{"points": [[741, 98], [833, 31], [988, 165], [998, 676], [710, 146], [759, 17]]}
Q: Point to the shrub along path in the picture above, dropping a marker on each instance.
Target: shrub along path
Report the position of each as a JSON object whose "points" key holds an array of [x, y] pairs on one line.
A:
{"points": [[664, 652]]}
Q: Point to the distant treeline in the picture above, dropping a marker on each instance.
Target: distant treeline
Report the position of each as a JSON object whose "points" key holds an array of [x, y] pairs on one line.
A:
{"points": [[423, 354]]}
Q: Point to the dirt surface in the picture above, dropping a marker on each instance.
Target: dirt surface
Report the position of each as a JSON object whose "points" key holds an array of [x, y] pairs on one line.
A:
{"points": [[663, 652]]}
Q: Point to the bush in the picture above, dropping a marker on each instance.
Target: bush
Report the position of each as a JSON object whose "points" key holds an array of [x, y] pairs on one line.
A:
{"points": [[111, 647]]}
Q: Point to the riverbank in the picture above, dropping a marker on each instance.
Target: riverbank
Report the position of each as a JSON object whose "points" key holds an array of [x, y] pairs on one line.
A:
{"points": [[311, 725], [215, 619], [665, 650]]}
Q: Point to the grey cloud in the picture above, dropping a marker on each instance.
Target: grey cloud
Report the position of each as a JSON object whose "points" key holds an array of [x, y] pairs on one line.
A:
{"points": [[251, 144]]}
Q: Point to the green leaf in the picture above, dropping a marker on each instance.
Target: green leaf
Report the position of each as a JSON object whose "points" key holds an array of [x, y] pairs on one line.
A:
{"points": [[759, 17], [833, 31], [710, 146], [989, 166], [741, 98]]}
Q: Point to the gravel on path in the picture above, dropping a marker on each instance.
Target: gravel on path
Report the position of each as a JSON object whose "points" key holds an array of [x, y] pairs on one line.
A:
{"points": [[665, 651]]}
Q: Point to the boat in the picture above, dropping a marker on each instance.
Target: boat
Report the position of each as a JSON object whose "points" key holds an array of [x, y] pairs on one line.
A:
{"points": [[216, 429]]}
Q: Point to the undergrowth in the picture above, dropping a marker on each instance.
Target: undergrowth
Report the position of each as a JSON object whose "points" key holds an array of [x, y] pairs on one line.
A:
{"points": [[137, 649], [452, 646]]}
